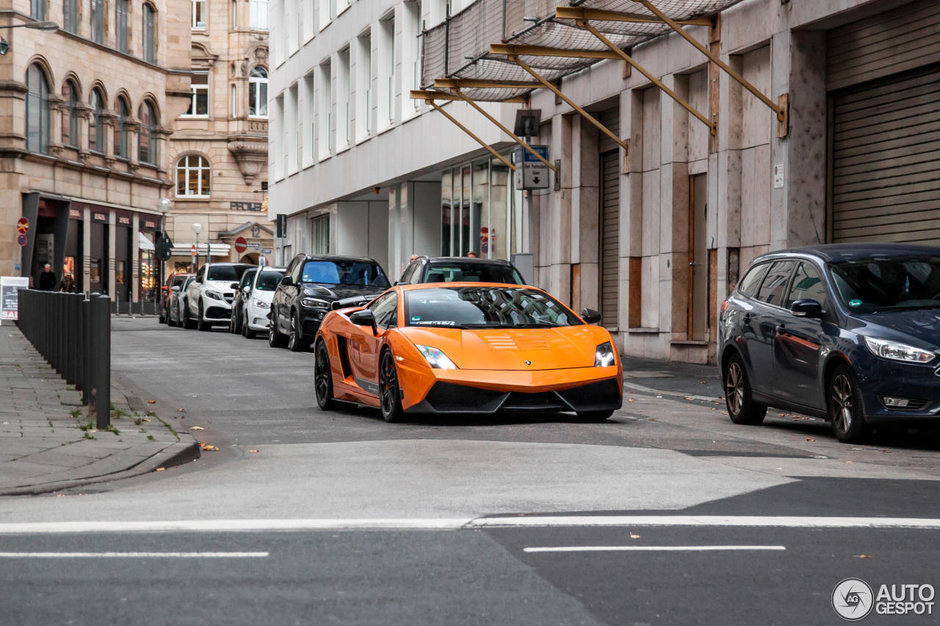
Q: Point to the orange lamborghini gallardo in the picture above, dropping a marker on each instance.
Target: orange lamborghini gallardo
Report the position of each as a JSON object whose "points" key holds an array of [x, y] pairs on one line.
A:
{"points": [[467, 348]]}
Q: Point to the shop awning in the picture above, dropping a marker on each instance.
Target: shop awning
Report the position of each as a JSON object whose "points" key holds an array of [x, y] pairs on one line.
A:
{"points": [[186, 249], [145, 243]]}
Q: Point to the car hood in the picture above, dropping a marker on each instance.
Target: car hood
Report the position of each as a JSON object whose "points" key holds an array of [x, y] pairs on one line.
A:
{"points": [[338, 292], [920, 324], [223, 286], [509, 349], [264, 296]]}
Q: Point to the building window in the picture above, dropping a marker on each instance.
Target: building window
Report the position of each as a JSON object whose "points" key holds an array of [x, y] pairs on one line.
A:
{"points": [[70, 115], [234, 14], [234, 100], [97, 20], [320, 228], [95, 126], [149, 34], [121, 131], [192, 177], [147, 140], [199, 14], [259, 14], [37, 110], [386, 61], [364, 87], [70, 15], [199, 105], [121, 11], [258, 93], [37, 9]]}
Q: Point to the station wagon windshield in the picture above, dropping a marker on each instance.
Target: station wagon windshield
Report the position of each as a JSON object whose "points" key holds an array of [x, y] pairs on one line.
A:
{"points": [[230, 273], [268, 281], [874, 285], [455, 272], [357, 273], [485, 307]]}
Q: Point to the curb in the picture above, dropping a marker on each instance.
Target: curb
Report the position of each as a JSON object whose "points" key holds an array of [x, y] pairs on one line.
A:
{"points": [[171, 456]]}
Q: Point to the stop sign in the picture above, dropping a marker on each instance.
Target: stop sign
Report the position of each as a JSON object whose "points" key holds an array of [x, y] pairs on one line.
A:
{"points": [[241, 244]]}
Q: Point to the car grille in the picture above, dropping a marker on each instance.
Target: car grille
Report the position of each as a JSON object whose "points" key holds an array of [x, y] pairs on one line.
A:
{"points": [[453, 398], [229, 297]]}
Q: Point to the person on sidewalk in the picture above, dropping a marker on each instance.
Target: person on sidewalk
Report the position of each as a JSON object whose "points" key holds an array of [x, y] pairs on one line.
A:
{"points": [[68, 284], [47, 279]]}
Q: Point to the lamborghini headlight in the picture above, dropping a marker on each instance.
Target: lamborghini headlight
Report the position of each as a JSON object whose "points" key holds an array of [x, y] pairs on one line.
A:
{"points": [[435, 358], [604, 355]]}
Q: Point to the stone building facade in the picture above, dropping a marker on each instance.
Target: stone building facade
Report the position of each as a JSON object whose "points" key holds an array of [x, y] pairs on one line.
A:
{"points": [[84, 126], [218, 149]]}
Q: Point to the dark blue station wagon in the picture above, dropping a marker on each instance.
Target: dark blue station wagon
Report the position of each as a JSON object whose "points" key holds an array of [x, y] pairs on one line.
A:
{"points": [[847, 332]]}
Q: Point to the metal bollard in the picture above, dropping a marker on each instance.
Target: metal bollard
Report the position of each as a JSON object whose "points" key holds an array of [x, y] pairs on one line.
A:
{"points": [[101, 334], [87, 381]]}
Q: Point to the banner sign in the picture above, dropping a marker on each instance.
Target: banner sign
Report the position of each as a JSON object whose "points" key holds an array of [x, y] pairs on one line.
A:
{"points": [[9, 296]]}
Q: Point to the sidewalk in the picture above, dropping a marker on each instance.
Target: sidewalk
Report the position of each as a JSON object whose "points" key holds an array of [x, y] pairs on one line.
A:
{"points": [[686, 381], [48, 443]]}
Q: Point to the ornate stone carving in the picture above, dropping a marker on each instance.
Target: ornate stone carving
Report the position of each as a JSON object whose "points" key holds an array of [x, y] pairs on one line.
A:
{"points": [[251, 154]]}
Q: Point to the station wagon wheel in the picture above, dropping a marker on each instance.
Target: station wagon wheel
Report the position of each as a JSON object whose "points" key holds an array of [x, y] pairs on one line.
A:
{"points": [[275, 339], [296, 341], [845, 406], [389, 391], [741, 407], [323, 377]]}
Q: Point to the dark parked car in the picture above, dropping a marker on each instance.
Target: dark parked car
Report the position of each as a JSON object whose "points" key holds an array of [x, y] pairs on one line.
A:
{"points": [[850, 333], [177, 305], [242, 292], [311, 287], [426, 269], [176, 279]]}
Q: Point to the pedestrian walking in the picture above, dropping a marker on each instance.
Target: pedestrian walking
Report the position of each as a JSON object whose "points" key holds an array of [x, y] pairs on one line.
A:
{"points": [[68, 284], [47, 279]]}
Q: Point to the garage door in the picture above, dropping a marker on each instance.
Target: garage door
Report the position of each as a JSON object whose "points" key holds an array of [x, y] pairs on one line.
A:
{"points": [[886, 159], [610, 220]]}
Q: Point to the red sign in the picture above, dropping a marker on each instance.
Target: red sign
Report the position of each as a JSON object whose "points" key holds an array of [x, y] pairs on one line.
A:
{"points": [[194, 251], [21, 239], [22, 225], [241, 244]]}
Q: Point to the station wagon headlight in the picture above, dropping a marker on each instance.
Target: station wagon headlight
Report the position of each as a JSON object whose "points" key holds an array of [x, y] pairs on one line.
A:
{"points": [[897, 351], [604, 355], [435, 358], [261, 304], [314, 303]]}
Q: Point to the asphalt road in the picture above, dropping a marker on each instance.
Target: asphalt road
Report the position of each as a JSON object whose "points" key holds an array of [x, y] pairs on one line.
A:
{"points": [[667, 514]]}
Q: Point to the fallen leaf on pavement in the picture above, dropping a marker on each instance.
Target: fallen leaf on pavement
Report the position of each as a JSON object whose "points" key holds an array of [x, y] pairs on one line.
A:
{"points": [[208, 447], [151, 401], [160, 469], [634, 536], [254, 450], [196, 428], [862, 556], [145, 419], [180, 410], [652, 419], [810, 439], [629, 399], [688, 398]]}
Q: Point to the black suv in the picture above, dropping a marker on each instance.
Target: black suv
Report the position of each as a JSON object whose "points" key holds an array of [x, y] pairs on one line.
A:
{"points": [[453, 269], [311, 287]]}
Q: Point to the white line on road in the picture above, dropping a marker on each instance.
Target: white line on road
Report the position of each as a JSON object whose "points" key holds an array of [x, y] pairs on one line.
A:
{"points": [[133, 555], [650, 548], [421, 524]]}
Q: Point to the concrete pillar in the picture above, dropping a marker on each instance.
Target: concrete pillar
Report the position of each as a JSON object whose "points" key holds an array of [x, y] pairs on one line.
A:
{"points": [[135, 258], [112, 223], [555, 213], [85, 280]]}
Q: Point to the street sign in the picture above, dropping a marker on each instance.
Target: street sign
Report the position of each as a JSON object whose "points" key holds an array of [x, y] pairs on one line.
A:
{"points": [[21, 239], [22, 225], [530, 173], [241, 244], [194, 252], [164, 247]]}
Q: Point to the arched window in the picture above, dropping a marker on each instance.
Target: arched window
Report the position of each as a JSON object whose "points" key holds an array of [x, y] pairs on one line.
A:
{"points": [[95, 124], [258, 92], [122, 11], [70, 114], [147, 140], [122, 137], [149, 34], [192, 177], [37, 110]]}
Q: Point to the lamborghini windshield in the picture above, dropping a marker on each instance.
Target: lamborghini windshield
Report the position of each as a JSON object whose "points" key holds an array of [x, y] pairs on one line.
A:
{"points": [[485, 307]]}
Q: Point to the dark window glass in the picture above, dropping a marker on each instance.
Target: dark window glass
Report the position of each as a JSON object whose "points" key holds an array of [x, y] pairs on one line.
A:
{"points": [[230, 273], [268, 281], [70, 115], [751, 281], [344, 273], [246, 278], [149, 45], [97, 20], [121, 10], [408, 275], [385, 309], [485, 307], [807, 285], [452, 272], [888, 284], [773, 289], [147, 137], [70, 15], [121, 131], [95, 126], [37, 9], [179, 280], [37, 110]]}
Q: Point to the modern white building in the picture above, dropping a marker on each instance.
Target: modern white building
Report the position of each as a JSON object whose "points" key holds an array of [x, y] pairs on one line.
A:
{"points": [[832, 136]]}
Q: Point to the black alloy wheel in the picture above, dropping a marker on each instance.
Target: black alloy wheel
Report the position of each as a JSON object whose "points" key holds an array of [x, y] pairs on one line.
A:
{"points": [[323, 377], [201, 321], [845, 406], [389, 391], [275, 339], [296, 341], [741, 407], [188, 321], [247, 333], [233, 322], [595, 416]]}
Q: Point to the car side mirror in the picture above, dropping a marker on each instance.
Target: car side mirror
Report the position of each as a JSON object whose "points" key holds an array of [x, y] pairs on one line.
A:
{"points": [[286, 281], [234, 286], [363, 317], [806, 308], [590, 316], [199, 279], [175, 288]]}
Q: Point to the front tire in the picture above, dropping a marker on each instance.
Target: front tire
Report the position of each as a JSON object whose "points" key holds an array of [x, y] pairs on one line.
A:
{"points": [[275, 339], [389, 391], [201, 321], [323, 377], [741, 406], [247, 333], [296, 341], [845, 406], [188, 322]]}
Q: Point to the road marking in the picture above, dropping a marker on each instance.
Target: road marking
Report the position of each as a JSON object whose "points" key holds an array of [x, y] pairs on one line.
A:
{"points": [[650, 548], [420, 524], [133, 555]]}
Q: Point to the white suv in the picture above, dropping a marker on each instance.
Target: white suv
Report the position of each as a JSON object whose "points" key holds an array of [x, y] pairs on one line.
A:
{"points": [[209, 295], [258, 303]]}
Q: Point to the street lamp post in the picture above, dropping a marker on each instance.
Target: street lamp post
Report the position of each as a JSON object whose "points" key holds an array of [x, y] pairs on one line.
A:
{"points": [[197, 228], [4, 46]]}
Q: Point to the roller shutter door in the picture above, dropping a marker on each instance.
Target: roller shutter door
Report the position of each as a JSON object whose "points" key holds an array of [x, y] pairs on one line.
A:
{"points": [[609, 218], [886, 159]]}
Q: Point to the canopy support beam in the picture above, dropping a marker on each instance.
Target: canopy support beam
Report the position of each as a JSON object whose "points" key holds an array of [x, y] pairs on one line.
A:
{"points": [[544, 51], [496, 154], [499, 125], [662, 86], [423, 94], [577, 13], [555, 90], [780, 111], [475, 83]]}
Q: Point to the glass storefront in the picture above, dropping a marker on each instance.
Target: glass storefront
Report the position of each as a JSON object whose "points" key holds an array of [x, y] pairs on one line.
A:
{"points": [[481, 211]]}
